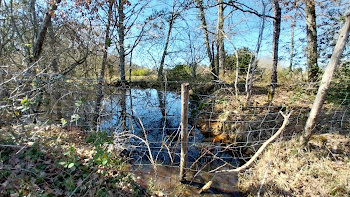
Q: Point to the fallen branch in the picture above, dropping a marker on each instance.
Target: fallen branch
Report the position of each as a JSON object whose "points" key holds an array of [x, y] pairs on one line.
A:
{"points": [[10, 146], [205, 187], [262, 148], [264, 179]]}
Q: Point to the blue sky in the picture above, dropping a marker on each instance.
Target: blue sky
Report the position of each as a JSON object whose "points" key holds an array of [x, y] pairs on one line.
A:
{"points": [[241, 28]]}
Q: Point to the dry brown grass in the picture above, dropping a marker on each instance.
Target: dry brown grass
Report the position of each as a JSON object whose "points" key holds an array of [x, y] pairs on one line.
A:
{"points": [[323, 169]]}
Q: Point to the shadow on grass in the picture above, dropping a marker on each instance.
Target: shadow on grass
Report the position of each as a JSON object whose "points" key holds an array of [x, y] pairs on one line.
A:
{"points": [[268, 189]]}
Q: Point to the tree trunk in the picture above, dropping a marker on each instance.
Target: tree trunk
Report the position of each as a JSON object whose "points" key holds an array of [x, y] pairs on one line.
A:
{"points": [[20, 36], [121, 34], [254, 59], [276, 35], [33, 18], [292, 26], [220, 37], [311, 51], [291, 47], [54, 66], [206, 37], [99, 94], [215, 71], [130, 67], [237, 73], [194, 71], [38, 45], [217, 67], [37, 49], [54, 62], [326, 80], [165, 51]]}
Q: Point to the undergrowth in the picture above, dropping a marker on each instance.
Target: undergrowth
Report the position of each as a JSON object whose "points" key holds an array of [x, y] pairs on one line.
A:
{"points": [[60, 162], [285, 169]]}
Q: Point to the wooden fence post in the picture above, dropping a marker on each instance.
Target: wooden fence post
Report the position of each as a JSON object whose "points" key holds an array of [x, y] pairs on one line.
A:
{"points": [[184, 128]]}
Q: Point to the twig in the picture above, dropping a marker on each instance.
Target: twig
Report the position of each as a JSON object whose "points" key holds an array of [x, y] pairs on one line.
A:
{"points": [[264, 179], [10, 146], [75, 190], [21, 149], [146, 143]]}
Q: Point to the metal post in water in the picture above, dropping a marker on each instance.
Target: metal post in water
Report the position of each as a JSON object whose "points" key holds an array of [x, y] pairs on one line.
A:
{"points": [[184, 128]]}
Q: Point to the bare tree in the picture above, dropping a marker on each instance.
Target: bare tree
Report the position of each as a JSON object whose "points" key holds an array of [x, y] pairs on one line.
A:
{"points": [[173, 15], [254, 58], [33, 18], [326, 80], [220, 38], [276, 35], [194, 52], [311, 33], [292, 26], [206, 37], [121, 34], [38, 45], [127, 25], [6, 31], [99, 94], [176, 9]]}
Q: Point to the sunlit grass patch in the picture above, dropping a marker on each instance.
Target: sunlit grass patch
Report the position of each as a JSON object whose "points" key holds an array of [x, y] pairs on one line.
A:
{"points": [[321, 170]]}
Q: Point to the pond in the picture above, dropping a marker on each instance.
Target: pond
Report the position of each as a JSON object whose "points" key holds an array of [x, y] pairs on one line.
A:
{"points": [[154, 116]]}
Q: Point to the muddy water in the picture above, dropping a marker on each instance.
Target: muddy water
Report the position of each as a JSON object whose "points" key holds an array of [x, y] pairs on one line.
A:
{"points": [[166, 181]]}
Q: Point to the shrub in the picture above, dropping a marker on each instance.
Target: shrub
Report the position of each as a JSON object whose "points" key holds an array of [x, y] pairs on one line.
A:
{"points": [[141, 72], [244, 58], [180, 73]]}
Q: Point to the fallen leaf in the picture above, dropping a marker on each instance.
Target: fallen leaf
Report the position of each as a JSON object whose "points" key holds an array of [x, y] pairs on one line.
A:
{"points": [[14, 195], [158, 193], [80, 182]]}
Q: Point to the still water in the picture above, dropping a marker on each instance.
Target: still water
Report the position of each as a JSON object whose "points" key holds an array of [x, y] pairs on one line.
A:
{"points": [[153, 117]]}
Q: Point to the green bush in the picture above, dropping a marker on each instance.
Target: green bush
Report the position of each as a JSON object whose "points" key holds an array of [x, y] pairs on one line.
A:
{"points": [[244, 58], [179, 73], [141, 72]]}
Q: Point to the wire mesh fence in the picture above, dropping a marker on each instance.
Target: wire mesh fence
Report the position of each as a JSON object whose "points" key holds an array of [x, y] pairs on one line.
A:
{"points": [[144, 117]]}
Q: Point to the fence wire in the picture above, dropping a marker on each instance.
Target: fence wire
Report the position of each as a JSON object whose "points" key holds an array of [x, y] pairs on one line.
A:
{"points": [[144, 117]]}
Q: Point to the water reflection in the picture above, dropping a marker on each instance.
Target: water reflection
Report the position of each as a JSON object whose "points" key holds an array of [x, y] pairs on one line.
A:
{"points": [[160, 114], [151, 106]]}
